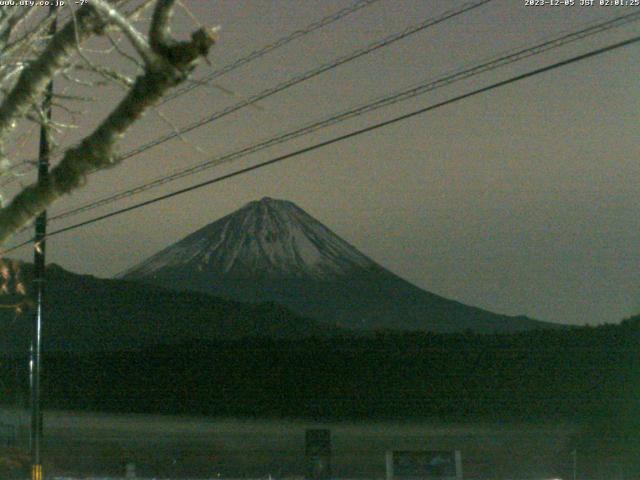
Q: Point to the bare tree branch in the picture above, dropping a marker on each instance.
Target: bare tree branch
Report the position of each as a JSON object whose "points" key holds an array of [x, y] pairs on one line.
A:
{"points": [[171, 63], [138, 41], [160, 33], [10, 20], [117, 48], [35, 77]]}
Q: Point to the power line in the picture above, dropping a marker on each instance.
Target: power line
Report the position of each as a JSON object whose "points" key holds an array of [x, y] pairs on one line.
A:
{"points": [[340, 138], [314, 72], [281, 42], [269, 48], [431, 85]]}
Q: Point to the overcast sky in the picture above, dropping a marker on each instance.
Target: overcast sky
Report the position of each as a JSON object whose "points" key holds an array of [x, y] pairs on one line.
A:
{"points": [[523, 200]]}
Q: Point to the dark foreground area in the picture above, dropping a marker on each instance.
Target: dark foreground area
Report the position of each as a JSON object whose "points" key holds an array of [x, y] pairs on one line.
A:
{"points": [[522, 399], [577, 375], [86, 444]]}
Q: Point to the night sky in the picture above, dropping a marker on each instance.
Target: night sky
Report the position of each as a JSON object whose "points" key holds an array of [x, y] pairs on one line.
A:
{"points": [[523, 200]]}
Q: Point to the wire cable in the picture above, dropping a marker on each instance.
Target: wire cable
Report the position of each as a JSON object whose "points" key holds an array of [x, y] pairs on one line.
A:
{"points": [[341, 138], [281, 42], [314, 72], [269, 48], [429, 86]]}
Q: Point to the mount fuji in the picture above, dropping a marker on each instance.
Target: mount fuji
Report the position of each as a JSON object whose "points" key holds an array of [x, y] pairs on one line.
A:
{"points": [[273, 251]]}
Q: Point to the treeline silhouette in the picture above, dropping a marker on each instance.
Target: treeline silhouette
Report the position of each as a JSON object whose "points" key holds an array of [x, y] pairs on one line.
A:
{"points": [[588, 377], [574, 374]]}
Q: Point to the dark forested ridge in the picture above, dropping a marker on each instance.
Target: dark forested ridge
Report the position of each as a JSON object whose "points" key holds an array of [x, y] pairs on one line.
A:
{"points": [[273, 251], [574, 374], [584, 378], [85, 313]]}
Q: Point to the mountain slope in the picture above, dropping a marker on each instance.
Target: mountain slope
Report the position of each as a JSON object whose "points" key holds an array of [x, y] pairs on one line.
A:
{"points": [[85, 313], [271, 250], [267, 239]]}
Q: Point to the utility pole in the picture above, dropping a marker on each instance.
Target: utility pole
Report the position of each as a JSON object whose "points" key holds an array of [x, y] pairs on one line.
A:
{"points": [[35, 362]]}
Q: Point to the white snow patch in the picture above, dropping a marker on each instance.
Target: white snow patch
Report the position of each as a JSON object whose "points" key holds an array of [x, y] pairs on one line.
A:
{"points": [[268, 237]]}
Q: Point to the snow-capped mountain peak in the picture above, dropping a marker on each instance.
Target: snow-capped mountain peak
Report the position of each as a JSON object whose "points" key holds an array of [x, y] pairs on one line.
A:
{"points": [[272, 251], [265, 238]]}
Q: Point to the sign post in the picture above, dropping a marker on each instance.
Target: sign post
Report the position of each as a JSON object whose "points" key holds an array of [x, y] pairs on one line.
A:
{"points": [[424, 465]]}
